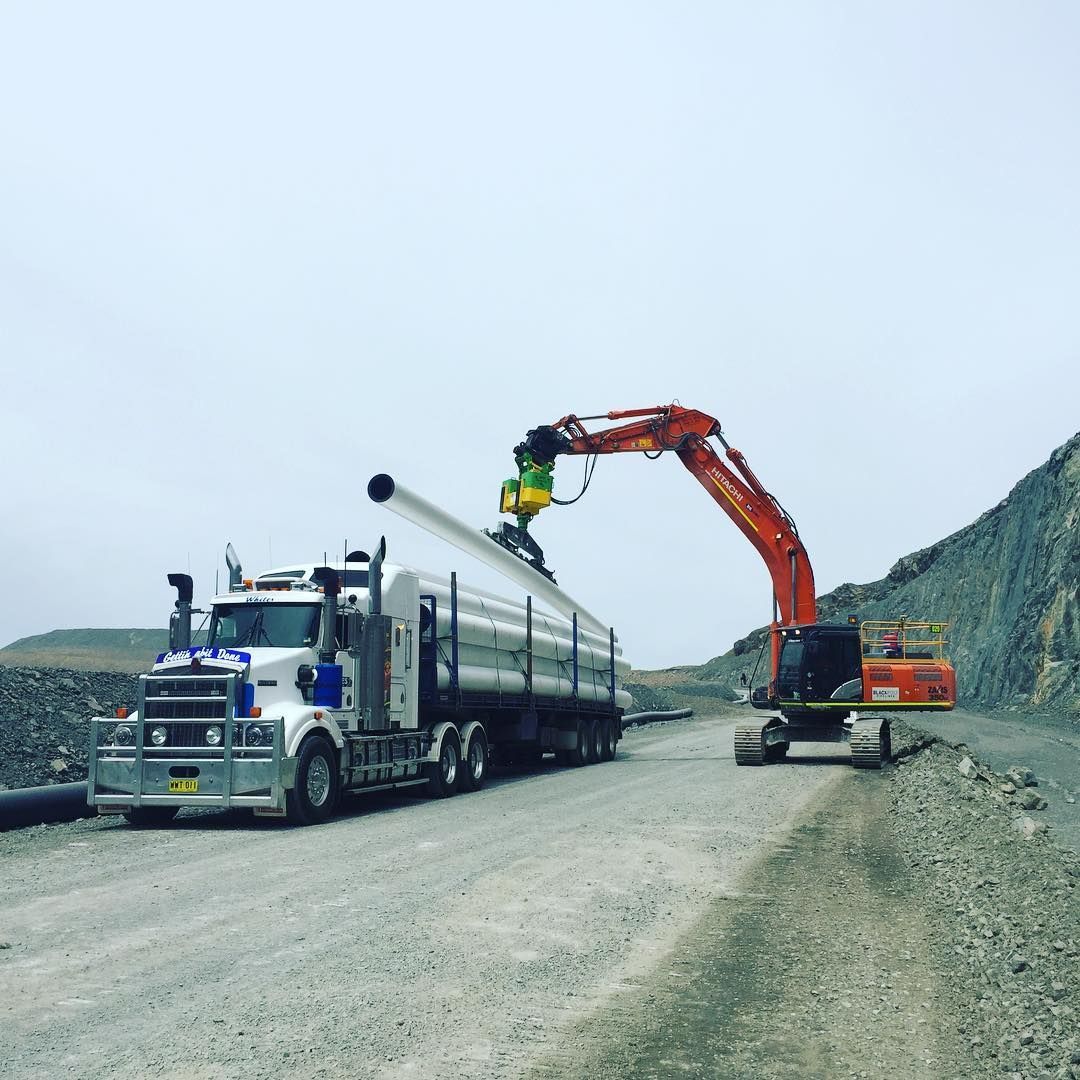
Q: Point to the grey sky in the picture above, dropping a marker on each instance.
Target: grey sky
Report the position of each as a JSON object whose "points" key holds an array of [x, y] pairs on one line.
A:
{"points": [[252, 254]]}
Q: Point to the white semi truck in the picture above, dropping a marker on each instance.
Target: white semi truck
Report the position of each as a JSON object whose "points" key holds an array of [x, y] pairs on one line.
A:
{"points": [[360, 675]]}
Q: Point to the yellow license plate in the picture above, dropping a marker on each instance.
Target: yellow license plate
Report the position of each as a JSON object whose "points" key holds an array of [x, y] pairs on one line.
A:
{"points": [[183, 786]]}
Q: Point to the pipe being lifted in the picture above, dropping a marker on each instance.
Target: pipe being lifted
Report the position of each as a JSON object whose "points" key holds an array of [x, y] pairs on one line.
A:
{"points": [[407, 504]]}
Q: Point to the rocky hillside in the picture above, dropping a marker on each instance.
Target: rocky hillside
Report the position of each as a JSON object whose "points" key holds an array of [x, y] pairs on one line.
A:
{"points": [[1009, 582], [87, 650]]}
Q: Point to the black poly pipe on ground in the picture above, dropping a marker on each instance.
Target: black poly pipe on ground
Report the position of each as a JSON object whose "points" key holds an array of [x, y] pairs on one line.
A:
{"points": [[41, 805], [629, 719]]}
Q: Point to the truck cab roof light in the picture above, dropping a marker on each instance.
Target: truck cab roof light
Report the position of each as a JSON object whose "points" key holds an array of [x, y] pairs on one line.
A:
{"points": [[255, 712], [121, 713]]}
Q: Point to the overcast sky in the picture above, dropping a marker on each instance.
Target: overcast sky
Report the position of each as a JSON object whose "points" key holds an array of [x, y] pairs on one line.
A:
{"points": [[251, 254]]}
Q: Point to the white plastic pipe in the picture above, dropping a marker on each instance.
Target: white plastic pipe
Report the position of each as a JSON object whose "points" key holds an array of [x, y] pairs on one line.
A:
{"points": [[384, 490]]}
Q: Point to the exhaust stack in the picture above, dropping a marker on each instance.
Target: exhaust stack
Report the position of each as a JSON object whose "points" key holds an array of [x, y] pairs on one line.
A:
{"points": [[375, 578], [236, 571], [331, 586], [180, 623], [383, 489]]}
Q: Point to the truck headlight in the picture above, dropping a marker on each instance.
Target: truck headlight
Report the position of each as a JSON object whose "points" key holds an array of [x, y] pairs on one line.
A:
{"points": [[159, 736], [123, 736], [213, 735], [259, 735]]}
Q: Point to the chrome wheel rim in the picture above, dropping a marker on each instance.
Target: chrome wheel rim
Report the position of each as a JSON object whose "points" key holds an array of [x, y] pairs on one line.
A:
{"points": [[318, 781], [476, 759], [449, 764]]}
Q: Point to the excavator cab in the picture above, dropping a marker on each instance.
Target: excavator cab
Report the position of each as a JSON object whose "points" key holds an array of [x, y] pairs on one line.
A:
{"points": [[819, 664]]}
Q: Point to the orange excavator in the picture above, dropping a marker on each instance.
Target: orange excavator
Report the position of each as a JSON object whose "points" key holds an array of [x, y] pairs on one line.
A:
{"points": [[822, 677]]}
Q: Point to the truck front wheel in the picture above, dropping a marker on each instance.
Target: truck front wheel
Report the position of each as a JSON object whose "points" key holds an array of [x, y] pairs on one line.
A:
{"points": [[314, 796]]}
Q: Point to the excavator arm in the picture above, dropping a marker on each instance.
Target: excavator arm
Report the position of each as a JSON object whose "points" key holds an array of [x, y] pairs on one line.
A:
{"points": [[731, 483]]}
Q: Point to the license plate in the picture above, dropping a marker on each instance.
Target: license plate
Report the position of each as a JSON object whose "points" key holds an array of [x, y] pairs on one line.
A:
{"points": [[183, 787]]}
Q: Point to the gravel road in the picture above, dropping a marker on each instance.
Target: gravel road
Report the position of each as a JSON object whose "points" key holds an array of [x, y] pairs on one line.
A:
{"points": [[407, 938]]}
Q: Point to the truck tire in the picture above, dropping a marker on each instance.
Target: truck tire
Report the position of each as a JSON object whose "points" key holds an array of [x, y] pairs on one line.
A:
{"points": [[579, 754], [149, 817], [314, 797], [595, 744], [474, 766], [443, 774], [608, 743]]}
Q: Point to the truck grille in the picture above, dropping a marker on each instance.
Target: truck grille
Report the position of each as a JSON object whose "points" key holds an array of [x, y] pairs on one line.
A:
{"points": [[186, 735], [192, 698]]}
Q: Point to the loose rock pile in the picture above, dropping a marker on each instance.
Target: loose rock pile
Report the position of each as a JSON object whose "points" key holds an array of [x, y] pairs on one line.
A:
{"points": [[44, 721], [1010, 896]]}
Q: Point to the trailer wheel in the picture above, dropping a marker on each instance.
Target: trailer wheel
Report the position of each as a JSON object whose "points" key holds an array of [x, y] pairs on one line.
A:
{"points": [[149, 817], [315, 795], [579, 754], [443, 774], [596, 745], [608, 743], [474, 771]]}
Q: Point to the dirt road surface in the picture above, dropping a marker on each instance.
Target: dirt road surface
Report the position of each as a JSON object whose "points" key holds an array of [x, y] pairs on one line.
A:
{"points": [[482, 936]]}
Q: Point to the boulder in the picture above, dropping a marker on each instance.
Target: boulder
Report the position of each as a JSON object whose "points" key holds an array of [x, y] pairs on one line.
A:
{"points": [[967, 768], [1030, 800], [1022, 776]]}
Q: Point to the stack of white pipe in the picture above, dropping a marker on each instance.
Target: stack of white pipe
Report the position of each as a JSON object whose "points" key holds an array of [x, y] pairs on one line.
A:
{"points": [[493, 649]]}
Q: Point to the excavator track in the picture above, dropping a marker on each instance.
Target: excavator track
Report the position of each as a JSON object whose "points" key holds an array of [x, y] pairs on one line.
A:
{"points": [[759, 740], [871, 745]]}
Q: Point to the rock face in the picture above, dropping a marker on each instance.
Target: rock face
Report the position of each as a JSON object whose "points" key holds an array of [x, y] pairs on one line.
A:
{"points": [[44, 721], [1009, 583]]}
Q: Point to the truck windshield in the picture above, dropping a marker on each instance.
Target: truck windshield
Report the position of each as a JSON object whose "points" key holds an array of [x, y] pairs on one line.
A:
{"points": [[281, 626]]}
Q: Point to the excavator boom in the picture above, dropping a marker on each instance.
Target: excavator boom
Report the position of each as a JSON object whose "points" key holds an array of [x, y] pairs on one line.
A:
{"points": [[731, 483]]}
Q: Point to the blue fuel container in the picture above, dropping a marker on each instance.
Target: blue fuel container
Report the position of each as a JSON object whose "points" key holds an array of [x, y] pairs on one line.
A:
{"points": [[328, 685]]}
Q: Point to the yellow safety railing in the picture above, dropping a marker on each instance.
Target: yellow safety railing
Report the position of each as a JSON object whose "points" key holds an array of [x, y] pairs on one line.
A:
{"points": [[903, 639]]}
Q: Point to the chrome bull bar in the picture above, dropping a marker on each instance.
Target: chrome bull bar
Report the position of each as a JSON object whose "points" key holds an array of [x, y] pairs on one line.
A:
{"points": [[231, 775]]}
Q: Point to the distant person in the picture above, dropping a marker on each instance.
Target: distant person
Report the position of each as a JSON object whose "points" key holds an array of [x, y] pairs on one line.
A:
{"points": [[743, 679]]}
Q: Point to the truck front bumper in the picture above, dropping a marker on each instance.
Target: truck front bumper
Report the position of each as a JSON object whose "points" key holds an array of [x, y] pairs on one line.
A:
{"points": [[123, 777]]}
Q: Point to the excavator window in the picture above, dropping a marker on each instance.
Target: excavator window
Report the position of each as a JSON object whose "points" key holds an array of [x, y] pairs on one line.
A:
{"points": [[832, 659]]}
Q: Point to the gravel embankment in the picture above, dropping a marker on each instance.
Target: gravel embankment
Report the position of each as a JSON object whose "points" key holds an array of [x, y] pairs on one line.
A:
{"points": [[44, 721], [1009, 903]]}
